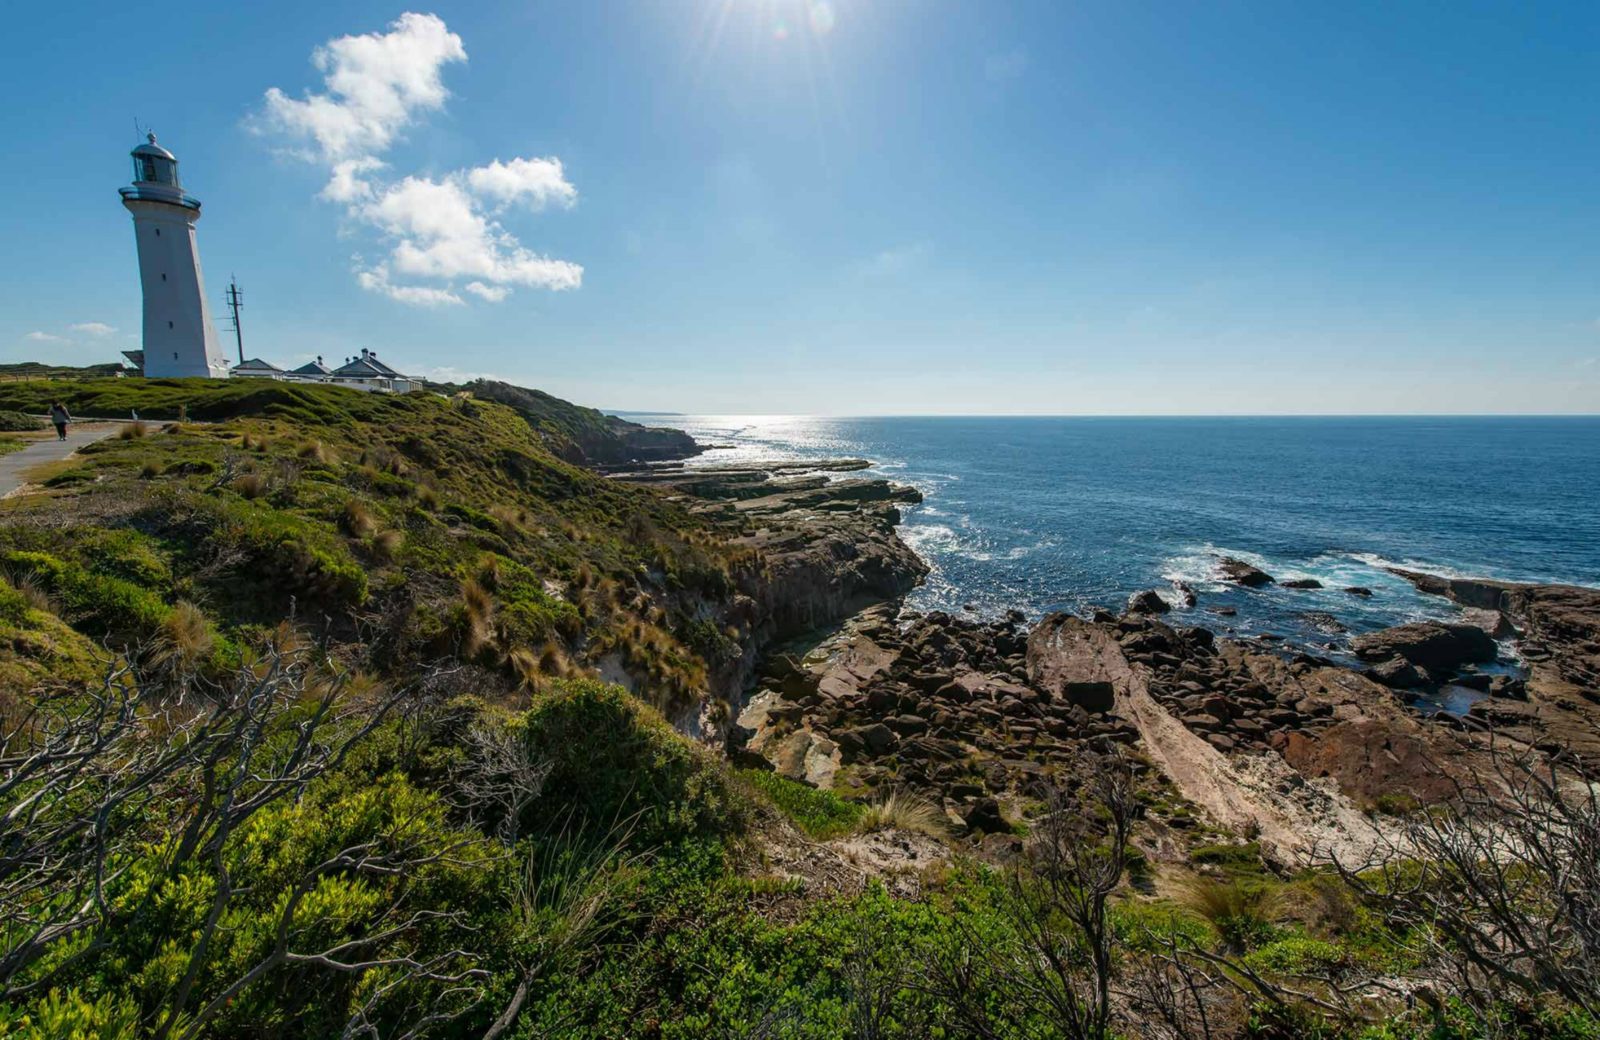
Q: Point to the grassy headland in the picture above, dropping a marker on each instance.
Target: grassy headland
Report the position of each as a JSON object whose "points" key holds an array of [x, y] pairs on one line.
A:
{"points": [[307, 735]]}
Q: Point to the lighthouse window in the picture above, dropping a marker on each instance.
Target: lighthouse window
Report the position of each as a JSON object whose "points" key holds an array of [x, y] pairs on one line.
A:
{"points": [[169, 324], [163, 278], [158, 232]]}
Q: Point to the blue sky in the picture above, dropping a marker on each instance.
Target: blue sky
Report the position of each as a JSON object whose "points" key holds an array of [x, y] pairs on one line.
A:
{"points": [[849, 207]]}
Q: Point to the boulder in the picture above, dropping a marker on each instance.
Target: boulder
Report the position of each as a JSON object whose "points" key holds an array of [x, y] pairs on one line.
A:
{"points": [[1301, 583], [1396, 672], [984, 816], [1186, 593], [1147, 602], [1241, 573], [873, 739], [1428, 644], [1076, 662], [1359, 590]]}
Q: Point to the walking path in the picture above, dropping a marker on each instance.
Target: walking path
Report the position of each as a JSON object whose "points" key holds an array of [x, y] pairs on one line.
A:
{"points": [[13, 466]]}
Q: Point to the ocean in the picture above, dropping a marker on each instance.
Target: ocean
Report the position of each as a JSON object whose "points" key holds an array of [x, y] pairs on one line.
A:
{"points": [[1045, 514]]}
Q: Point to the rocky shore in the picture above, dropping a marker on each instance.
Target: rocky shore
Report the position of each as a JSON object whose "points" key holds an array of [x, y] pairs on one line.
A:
{"points": [[821, 548], [1308, 754]]}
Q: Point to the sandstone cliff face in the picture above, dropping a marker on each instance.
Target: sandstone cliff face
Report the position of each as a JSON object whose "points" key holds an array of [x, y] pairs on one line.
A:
{"points": [[820, 551]]}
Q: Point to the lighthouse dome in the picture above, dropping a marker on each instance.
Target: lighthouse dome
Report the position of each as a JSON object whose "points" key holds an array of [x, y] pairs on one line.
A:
{"points": [[153, 164]]}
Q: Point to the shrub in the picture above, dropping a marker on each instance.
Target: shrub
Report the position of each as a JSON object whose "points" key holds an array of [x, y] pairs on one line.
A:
{"points": [[1233, 858], [820, 814], [72, 1016], [19, 422], [612, 759], [101, 604]]}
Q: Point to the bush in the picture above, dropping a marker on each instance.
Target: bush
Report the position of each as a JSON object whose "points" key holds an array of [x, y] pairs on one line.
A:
{"points": [[102, 604], [612, 759], [18, 422], [1233, 858], [820, 814]]}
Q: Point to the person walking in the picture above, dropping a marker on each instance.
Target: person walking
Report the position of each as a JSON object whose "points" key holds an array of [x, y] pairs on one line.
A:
{"points": [[60, 416]]}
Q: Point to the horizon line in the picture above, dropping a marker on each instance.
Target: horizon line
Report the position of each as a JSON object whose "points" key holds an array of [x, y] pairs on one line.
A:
{"points": [[1108, 415]]}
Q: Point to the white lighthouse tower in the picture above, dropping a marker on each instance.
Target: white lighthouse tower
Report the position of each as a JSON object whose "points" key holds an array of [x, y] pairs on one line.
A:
{"points": [[179, 339]]}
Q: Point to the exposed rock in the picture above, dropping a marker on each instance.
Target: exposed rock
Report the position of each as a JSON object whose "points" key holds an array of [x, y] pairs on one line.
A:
{"points": [[873, 739], [984, 817], [1427, 644], [1301, 583], [1323, 622], [1147, 602], [1359, 590], [1071, 669], [1396, 672], [1241, 573], [1185, 591], [1558, 635]]}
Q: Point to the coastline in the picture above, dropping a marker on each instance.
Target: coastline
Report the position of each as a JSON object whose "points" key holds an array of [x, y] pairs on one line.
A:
{"points": [[846, 688]]}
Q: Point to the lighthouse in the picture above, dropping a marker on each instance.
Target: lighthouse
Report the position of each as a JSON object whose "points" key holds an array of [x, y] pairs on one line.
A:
{"points": [[179, 339]]}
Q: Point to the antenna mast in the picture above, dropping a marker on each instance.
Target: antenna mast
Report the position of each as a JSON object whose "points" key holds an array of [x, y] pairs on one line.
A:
{"points": [[235, 301]]}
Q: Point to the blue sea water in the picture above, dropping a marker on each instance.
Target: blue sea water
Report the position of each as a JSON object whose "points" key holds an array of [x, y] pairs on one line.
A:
{"points": [[1068, 513]]}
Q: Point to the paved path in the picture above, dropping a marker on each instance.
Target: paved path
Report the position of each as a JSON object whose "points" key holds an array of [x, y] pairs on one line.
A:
{"points": [[13, 466]]}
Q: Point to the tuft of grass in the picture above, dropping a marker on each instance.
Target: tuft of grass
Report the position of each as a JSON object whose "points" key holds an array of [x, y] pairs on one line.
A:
{"points": [[132, 431], [31, 595], [903, 811], [478, 614], [184, 637], [315, 452], [820, 814], [251, 486], [358, 518], [1239, 909], [386, 544]]}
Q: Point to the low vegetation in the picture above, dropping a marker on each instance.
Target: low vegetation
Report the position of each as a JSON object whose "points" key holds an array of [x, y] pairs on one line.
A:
{"points": [[304, 734]]}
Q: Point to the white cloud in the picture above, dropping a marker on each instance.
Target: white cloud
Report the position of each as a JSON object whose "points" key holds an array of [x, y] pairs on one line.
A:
{"points": [[442, 234], [93, 328], [377, 85], [45, 337], [377, 280], [538, 181], [347, 184], [439, 230]]}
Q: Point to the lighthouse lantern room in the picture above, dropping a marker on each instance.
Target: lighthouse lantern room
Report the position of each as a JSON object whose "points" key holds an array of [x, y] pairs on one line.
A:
{"points": [[179, 339]]}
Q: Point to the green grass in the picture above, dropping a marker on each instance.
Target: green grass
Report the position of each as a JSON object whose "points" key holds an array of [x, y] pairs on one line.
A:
{"points": [[820, 814]]}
